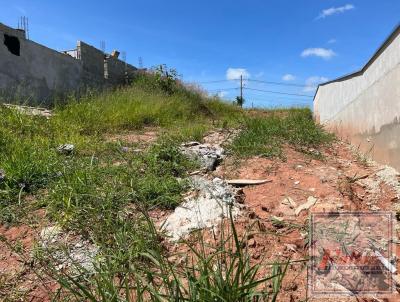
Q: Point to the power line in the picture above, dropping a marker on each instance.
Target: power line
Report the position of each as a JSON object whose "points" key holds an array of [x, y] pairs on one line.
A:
{"points": [[216, 81], [223, 89], [278, 83], [278, 100], [257, 81], [279, 92]]}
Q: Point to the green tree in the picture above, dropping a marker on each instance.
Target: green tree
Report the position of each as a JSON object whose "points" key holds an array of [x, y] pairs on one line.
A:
{"points": [[239, 101]]}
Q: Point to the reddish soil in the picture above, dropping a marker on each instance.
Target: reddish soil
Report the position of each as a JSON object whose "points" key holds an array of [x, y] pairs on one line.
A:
{"points": [[332, 181], [20, 280], [144, 137], [338, 181]]}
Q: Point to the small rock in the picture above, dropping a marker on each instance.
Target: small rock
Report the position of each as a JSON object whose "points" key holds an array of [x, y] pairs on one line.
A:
{"points": [[289, 202], [296, 182], [305, 206], [291, 287], [50, 234], [2, 174], [66, 148], [252, 215], [340, 206], [256, 255], [172, 259], [252, 243], [265, 209], [375, 208], [290, 247], [125, 149], [209, 156], [312, 189]]}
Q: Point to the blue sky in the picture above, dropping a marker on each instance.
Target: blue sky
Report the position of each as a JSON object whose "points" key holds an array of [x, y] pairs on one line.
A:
{"points": [[290, 41]]}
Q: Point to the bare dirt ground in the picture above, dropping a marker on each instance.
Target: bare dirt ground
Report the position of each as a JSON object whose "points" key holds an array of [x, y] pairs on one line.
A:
{"points": [[339, 181]]}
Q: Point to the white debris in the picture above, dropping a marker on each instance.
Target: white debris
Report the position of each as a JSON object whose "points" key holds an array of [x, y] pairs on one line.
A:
{"points": [[50, 235], [67, 250], [30, 110], [289, 202], [208, 155], [2, 174], [247, 182], [205, 210], [66, 148], [390, 176], [305, 206], [375, 208]]}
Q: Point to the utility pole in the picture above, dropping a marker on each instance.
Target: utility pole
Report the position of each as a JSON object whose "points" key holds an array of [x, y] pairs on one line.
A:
{"points": [[241, 89]]}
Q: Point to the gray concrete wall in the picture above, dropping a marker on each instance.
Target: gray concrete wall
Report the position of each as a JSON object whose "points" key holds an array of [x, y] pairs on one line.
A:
{"points": [[12, 31], [39, 75], [365, 107], [93, 64]]}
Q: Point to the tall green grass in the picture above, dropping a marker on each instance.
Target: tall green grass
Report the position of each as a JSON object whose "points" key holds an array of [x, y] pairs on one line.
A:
{"points": [[28, 144], [103, 193], [217, 271], [265, 135]]}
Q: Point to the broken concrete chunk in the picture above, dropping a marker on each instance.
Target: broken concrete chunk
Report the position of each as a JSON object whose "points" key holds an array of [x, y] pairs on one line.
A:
{"points": [[390, 176], [68, 250], [50, 234], [205, 209], [289, 202], [209, 156], [66, 148], [305, 206], [247, 182]]}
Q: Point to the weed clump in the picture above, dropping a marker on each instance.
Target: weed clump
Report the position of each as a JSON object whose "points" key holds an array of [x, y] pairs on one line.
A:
{"points": [[266, 135]]}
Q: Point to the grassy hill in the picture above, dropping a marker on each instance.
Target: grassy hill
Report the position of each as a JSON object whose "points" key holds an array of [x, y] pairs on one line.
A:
{"points": [[88, 190]]}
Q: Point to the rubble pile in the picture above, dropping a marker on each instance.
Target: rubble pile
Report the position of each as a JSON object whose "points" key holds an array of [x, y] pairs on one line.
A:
{"points": [[67, 250], [209, 203]]}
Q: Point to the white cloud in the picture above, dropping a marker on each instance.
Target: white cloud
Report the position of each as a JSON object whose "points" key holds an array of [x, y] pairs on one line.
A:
{"points": [[335, 10], [288, 77], [318, 52], [235, 73], [312, 83], [332, 41], [221, 94]]}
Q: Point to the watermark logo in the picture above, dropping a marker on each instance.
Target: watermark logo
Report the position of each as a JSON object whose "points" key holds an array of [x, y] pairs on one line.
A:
{"points": [[351, 253]]}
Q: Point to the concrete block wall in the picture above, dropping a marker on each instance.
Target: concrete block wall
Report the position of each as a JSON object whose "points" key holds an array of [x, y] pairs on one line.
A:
{"points": [[36, 74], [33, 74], [12, 31], [116, 70], [119, 72], [92, 62], [364, 107]]}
